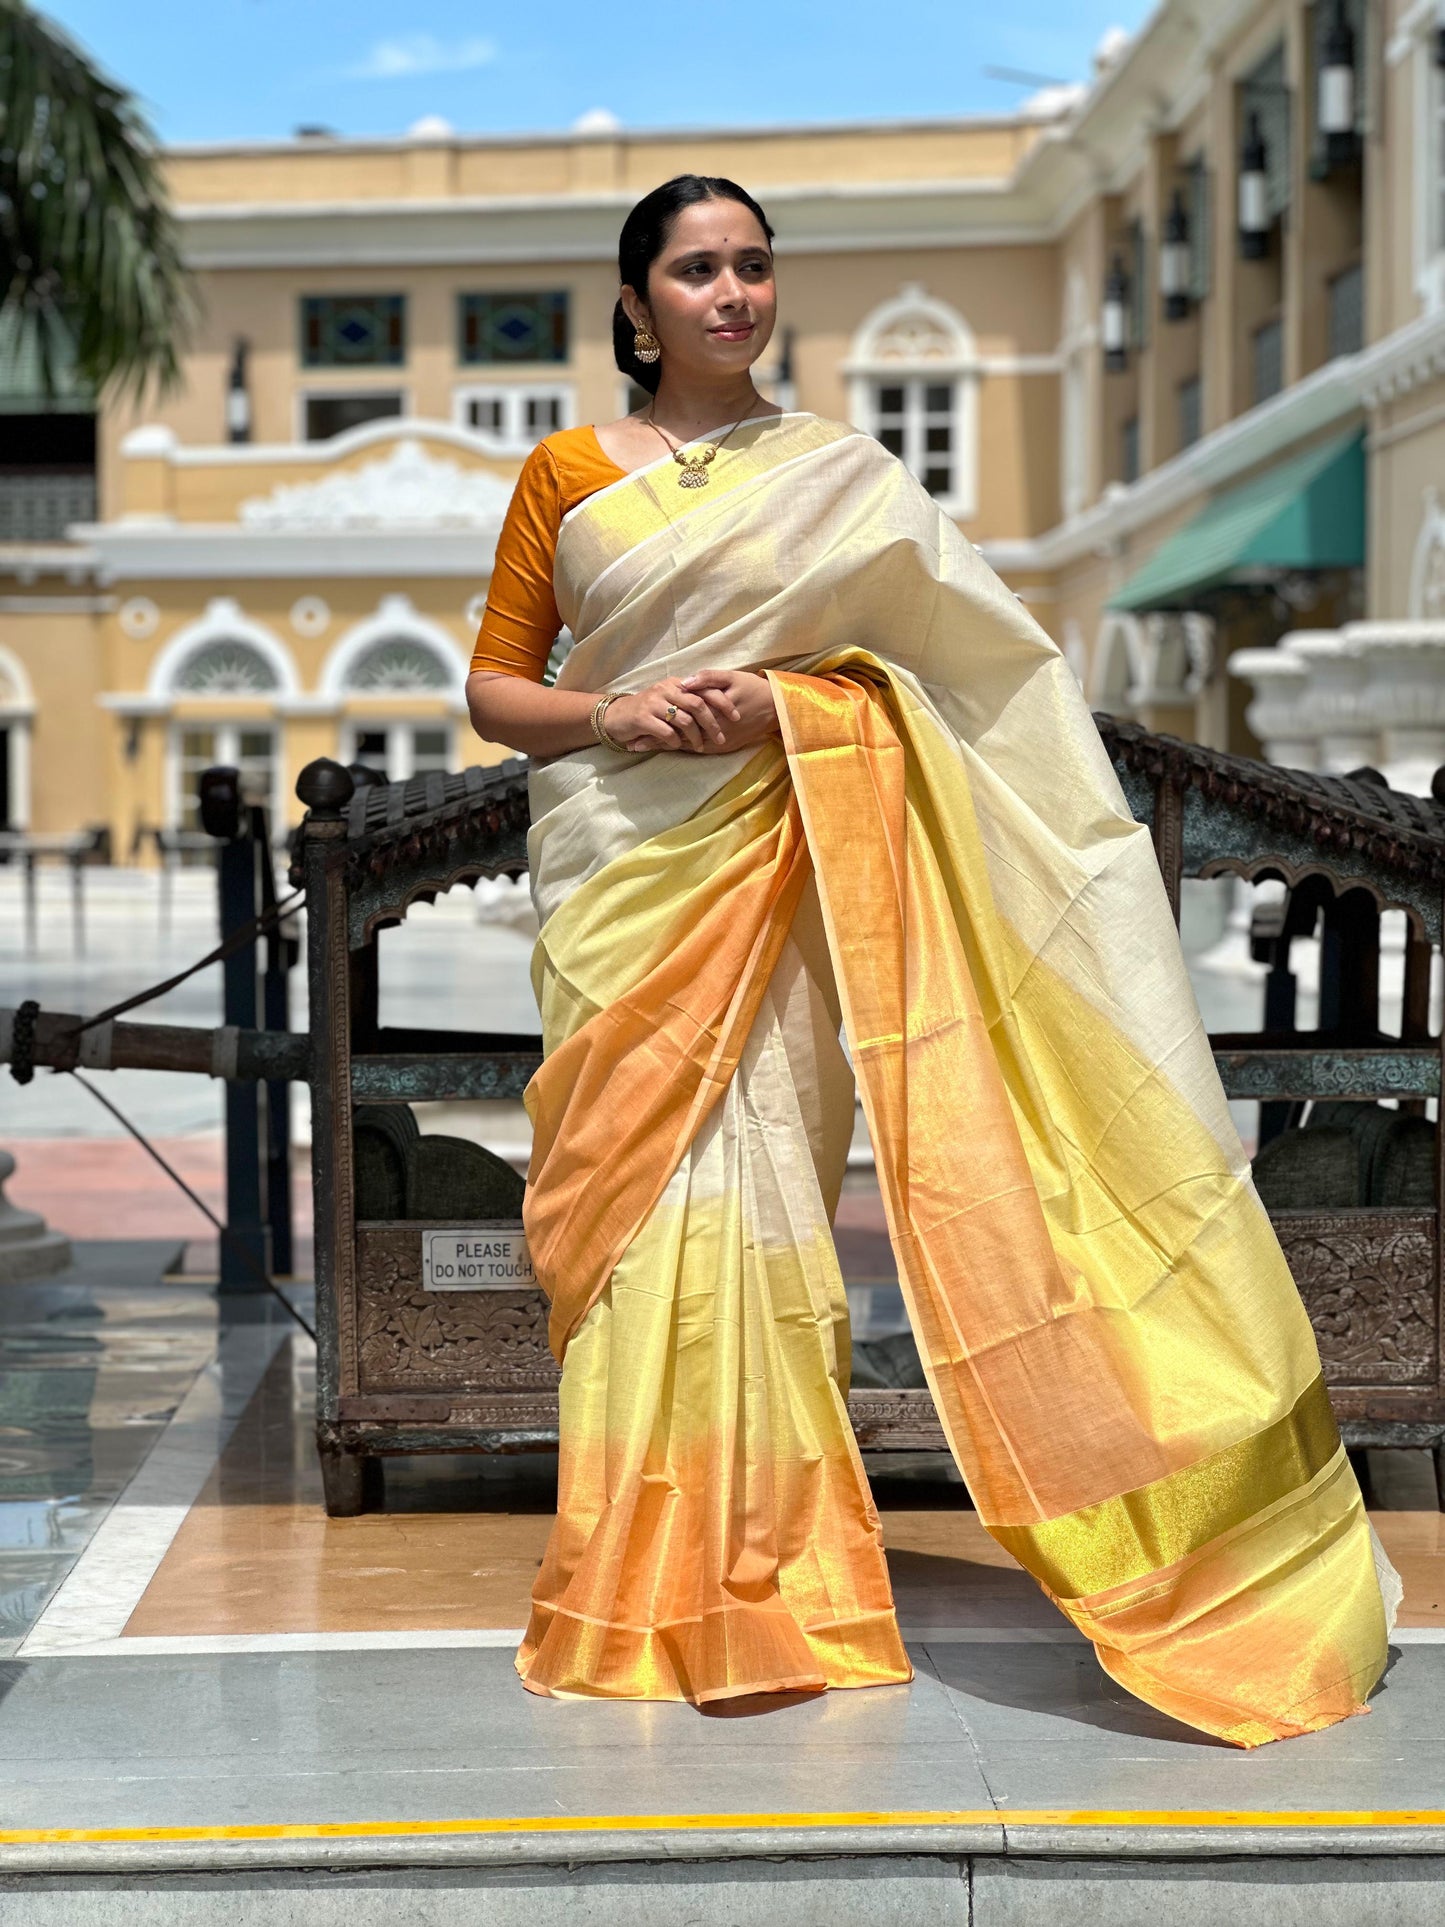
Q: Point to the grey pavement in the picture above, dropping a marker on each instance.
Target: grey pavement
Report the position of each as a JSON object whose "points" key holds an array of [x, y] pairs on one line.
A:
{"points": [[445, 1733]]}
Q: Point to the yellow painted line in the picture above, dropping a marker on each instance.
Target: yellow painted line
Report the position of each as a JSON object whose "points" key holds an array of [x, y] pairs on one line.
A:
{"points": [[731, 1822]]}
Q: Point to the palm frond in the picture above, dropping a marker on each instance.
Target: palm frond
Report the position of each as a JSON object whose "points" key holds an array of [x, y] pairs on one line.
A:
{"points": [[91, 274]]}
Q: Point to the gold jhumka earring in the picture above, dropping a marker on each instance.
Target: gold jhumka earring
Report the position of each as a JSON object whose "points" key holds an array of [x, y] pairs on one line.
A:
{"points": [[646, 346]]}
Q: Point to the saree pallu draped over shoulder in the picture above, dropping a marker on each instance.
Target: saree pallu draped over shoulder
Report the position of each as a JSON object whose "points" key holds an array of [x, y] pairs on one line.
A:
{"points": [[938, 858]]}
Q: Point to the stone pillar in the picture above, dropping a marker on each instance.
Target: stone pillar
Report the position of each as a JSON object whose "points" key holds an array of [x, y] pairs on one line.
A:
{"points": [[27, 1249]]}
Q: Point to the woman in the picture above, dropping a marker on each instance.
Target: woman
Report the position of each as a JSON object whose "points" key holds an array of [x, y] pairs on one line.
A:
{"points": [[808, 766]]}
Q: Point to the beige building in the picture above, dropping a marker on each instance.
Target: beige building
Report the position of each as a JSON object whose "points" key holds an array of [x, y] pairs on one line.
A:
{"points": [[1169, 347]]}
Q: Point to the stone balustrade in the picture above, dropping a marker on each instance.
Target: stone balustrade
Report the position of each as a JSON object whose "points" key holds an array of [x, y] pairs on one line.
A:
{"points": [[1369, 693]]}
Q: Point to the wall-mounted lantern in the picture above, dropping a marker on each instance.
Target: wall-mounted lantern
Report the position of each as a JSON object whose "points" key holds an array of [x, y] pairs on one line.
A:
{"points": [[238, 395], [1253, 193], [1335, 106], [1114, 327], [1175, 261]]}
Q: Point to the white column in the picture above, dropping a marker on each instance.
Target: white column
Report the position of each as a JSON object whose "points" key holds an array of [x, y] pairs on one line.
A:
{"points": [[18, 801]]}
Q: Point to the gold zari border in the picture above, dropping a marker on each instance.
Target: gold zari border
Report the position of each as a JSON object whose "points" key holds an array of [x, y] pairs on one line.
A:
{"points": [[1144, 1531]]}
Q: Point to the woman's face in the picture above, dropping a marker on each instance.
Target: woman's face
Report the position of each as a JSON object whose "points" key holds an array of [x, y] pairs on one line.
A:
{"points": [[711, 299]]}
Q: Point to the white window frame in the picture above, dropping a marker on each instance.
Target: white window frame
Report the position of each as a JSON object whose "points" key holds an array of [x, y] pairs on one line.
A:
{"points": [[881, 357], [400, 736], [513, 438], [340, 391], [227, 729], [1431, 153], [1413, 40], [1077, 353]]}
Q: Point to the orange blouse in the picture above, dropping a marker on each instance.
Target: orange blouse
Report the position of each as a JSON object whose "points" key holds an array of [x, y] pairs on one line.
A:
{"points": [[521, 621]]}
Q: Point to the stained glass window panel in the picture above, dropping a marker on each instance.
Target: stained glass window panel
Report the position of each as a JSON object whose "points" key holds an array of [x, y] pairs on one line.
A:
{"points": [[353, 330], [514, 327]]}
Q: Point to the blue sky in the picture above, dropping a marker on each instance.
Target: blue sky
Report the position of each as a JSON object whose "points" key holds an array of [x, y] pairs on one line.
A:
{"points": [[256, 69]]}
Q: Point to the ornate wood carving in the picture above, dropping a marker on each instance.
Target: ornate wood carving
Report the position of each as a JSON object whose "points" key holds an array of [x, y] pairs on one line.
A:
{"points": [[1369, 1283], [508, 1414], [896, 1421], [410, 1339]]}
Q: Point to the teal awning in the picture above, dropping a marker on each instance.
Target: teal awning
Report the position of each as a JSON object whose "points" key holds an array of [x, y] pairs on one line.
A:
{"points": [[1304, 513]]}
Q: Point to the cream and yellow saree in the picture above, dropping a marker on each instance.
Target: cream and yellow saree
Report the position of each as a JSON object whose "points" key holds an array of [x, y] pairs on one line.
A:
{"points": [[937, 859]]}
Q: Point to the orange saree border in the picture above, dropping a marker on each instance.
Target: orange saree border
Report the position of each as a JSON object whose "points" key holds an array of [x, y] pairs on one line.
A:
{"points": [[615, 1105]]}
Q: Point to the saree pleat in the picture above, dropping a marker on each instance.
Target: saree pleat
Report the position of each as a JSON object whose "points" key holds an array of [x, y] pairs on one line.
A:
{"points": [[715, 1531], [938, 855]]}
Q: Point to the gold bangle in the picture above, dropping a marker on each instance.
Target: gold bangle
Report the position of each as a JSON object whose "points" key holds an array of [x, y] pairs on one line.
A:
{"points": [[599, 728]]}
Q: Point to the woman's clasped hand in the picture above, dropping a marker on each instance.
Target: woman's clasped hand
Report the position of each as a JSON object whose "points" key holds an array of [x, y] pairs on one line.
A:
{"points": [[710, 713]]}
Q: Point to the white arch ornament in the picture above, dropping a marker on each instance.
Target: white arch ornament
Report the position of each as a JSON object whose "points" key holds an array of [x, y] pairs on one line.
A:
{"points": [[394, 621], [224, 621], [913, 337]]}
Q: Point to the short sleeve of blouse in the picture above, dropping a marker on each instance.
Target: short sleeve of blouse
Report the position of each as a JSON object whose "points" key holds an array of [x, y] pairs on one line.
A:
{"points": [[521, 619]]}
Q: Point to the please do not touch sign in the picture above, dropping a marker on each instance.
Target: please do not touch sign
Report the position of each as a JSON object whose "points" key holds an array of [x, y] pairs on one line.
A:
{"points": [[490, 1258]]}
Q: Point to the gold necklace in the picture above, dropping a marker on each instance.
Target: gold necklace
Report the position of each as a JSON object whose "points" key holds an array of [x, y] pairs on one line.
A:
{"points": [[694, 463]]}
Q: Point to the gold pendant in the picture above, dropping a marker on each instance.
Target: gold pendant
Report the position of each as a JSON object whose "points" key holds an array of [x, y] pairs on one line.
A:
{"points": [[694, 465]]}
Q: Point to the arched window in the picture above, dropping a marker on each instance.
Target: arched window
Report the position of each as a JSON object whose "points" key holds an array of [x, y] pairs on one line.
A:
{"points": [[222, 654], [395, 651], [913, 375], [225, 668], [398, 666]]}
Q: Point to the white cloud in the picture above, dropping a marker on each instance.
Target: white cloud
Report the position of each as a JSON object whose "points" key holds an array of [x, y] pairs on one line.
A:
{"points": [[420, 53], [597, 120]]}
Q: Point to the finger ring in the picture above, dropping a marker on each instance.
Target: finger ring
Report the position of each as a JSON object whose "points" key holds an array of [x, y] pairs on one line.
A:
{"points": [[671, 711]]}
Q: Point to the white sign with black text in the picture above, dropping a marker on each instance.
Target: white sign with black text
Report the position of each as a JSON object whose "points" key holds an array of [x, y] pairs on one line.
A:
{"points": [[488, 1259]]}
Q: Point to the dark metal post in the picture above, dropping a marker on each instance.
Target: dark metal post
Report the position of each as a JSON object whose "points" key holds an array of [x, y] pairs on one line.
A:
{"points": [[1270, 936], [77, 902], [243, 1243], [281, 952]]}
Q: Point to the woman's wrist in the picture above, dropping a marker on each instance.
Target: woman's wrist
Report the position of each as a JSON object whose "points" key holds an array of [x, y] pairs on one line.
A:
{"points": [[600, 710]]}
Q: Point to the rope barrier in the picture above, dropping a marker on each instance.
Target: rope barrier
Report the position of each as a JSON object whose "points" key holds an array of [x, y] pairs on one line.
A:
{"points": [[238, 939], [258, 1271]]}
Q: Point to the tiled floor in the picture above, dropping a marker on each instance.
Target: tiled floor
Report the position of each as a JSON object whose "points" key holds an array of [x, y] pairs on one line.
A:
{"points": [[198, 1656]]}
